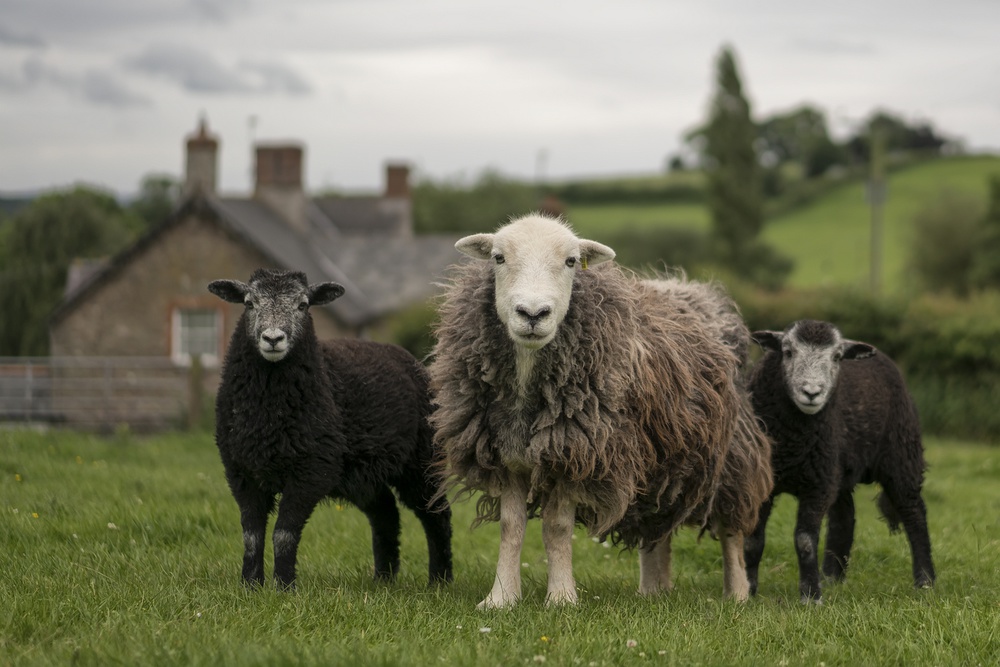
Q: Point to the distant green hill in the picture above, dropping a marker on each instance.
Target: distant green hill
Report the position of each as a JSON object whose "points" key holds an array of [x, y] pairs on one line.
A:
{"points": [[828, 237]]}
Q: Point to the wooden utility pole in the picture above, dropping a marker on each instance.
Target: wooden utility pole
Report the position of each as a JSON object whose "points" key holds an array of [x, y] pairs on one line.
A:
{"points": [[876, 199]]}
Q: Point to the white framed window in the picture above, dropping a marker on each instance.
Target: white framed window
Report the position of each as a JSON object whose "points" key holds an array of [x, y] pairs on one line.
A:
{"points": [[196, 331]]}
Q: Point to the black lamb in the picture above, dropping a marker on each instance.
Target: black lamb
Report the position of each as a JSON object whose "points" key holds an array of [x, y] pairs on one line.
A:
{"points": [[341, 419], [839, 414]]}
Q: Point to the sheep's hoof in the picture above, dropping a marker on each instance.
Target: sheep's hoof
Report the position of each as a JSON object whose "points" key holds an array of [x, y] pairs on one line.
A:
{"points": [[497, 603], [561, 598], [284, 586]]}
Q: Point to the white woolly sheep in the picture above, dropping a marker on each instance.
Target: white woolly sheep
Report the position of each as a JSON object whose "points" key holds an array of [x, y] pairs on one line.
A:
{"points": [[591, 395], [839, 414], [341, 419]]}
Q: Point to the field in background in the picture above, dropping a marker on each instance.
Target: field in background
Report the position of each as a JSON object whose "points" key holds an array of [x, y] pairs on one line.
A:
{"points": [[828, 237], [125, 550]]}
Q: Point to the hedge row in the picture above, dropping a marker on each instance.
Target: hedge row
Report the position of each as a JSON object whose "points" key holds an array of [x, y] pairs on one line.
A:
{"points": [[948, 349]]}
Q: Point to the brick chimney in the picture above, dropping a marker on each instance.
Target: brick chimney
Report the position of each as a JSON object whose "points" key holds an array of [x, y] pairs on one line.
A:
{"points": [[397, 180], [201, 161], [279, 182]]}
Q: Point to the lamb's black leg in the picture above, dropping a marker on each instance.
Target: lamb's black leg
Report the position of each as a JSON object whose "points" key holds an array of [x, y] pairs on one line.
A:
{"points": [[254, 506], [384, 519], [294, 510], [753, 547], [912, 513], [807, 523], [436, 520], [839, 536]]}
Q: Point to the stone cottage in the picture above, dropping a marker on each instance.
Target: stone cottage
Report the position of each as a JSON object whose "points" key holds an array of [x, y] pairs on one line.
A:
{"points": [[151, 301]]}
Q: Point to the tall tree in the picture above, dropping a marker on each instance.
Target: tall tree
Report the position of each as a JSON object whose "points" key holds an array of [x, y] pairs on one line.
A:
{"points": [[734, 178], [39, 243]]}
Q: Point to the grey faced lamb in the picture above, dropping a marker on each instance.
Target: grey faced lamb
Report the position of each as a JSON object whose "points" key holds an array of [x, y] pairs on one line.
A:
{"points": [[308, 420], [839, 415], [566, 385]]}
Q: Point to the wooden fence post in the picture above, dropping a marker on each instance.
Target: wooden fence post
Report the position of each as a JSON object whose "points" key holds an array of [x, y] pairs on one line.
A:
{"points": [[196, 393]]}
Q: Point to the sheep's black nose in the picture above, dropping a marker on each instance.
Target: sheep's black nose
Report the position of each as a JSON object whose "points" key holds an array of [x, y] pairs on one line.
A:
{"points": [[533, 317], [273, 339], [811, 395]]}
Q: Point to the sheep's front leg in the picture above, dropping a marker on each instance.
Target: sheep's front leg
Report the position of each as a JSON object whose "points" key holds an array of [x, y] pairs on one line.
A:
{"points": [[558, 517], [807, 524], [513, 520], [753, 545], [255, 505], [654, 567], [294, 510], [735, 584]]}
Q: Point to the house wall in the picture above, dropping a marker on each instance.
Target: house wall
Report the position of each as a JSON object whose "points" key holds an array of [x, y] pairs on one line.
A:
{"points": [[130, 315]]}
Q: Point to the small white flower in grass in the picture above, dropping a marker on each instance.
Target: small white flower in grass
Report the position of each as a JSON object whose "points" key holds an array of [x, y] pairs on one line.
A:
{"points": [[642, 654], [485, 630], [539, 658], [112, 526], [458, 627], [524, 565], [198, 615], [631, 643], [661, 652]]}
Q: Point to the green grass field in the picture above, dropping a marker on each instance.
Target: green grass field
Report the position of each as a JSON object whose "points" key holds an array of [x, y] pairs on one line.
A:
{"points": [[123, 550], [829, 238]]}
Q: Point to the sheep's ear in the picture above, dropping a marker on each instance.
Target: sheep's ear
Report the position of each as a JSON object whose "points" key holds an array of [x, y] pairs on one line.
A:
{"points": [[321, 293], [232, 291], [593, 253], [769, 340], [477, 246], [853, 349]]}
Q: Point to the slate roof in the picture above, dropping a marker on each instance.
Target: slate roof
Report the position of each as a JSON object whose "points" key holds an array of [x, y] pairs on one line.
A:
{"points": [[382, 270], [380, 273]]}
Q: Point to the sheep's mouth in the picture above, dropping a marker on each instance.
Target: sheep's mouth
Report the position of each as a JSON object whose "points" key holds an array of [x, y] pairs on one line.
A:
{"points": [[273, 354], [531, 340], [810, 407]]}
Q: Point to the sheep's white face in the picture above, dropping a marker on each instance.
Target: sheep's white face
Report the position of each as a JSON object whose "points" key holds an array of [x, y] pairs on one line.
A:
{"points": [[535, 260], [811, 353], [277, 307]]}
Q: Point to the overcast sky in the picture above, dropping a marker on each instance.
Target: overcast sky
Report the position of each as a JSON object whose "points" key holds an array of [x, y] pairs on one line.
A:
{"points": [[104, 91]]}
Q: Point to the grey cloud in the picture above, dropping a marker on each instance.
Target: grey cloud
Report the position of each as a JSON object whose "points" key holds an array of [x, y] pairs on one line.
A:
{"points": [[276, 78], [198, 71], [11, 37], [98, 87], [833, 46], [194, 70], [221, 10]]}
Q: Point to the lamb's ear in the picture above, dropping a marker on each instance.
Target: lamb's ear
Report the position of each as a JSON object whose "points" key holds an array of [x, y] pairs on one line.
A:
{"points": [[593, 253], [232, 291], [769, 340], [853, 349], [477, 246], [321, 293]]}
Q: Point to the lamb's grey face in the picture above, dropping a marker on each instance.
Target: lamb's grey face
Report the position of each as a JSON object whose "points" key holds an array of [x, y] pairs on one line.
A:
{"points": [[811, 354], [535, 260], [277, 307], [275, 314], [810, 370]]}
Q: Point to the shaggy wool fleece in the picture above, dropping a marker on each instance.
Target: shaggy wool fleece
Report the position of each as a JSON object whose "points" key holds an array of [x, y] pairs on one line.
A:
{"points": [[631, 411]]}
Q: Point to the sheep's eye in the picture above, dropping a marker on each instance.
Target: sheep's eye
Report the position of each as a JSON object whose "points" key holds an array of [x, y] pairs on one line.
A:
{"points": [[837, 356], [303, 305], [248, 304], [571, 262], [499, 259], [788, 353]]}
